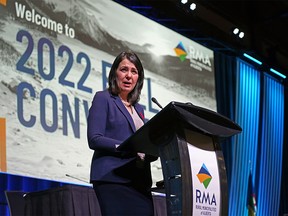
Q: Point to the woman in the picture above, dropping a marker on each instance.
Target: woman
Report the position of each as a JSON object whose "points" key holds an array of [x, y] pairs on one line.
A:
{"points": [[121, 181]]}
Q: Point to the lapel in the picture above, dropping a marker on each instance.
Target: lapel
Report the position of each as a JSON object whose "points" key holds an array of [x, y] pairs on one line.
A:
{"points": [[140, 112], [124, 111]]}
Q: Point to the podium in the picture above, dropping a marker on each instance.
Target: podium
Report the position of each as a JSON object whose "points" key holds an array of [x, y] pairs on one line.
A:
{"points": [[187, 140]]}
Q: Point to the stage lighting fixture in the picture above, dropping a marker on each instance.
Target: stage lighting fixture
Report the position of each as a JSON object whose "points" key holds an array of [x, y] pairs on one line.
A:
{"points": [[252, 59], [278, 73], [193, 6], [241, 35], [184, 1], [236, 31]]}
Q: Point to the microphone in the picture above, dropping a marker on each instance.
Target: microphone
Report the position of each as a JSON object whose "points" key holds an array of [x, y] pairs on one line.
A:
{"points": [[82, 180], [156, 102]]}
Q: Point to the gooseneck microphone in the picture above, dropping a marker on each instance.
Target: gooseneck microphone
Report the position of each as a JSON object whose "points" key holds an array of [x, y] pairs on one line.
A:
{"points": [[79, 179], [156, 102]]}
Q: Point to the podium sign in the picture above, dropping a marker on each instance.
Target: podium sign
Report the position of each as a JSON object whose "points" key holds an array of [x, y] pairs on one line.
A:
{"points": [[187, 140], [206, 188]]}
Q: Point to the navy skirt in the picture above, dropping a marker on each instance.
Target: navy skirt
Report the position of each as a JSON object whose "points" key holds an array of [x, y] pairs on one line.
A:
{"points": [[123, 200]]}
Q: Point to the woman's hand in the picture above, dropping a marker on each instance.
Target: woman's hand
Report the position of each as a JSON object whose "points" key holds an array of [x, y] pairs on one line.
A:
{"points": [[141, 156]]}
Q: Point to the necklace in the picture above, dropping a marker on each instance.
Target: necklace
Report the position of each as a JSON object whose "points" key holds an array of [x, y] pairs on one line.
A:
{"points": [[127, 104]]}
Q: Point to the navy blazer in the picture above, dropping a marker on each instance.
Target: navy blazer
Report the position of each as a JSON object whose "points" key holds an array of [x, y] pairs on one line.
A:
{"points": [[109, 124]]}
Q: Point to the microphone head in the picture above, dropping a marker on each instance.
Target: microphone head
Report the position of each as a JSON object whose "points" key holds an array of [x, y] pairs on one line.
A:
{"points": [[156, 102]]}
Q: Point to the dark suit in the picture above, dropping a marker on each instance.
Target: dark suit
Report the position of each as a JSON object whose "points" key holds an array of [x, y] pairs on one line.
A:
{"points": [[110, 123], [121, 181]]}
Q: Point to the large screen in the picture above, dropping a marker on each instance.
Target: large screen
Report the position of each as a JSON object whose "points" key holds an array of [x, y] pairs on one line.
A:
{"points": [[54, 56]]}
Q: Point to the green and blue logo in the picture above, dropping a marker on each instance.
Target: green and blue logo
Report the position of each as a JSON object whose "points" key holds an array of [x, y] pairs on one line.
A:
{"points": [[180, 51], [204, 176]]}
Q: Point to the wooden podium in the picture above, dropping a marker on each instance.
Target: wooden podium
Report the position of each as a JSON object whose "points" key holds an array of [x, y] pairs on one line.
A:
{"points": [[187, 140]]}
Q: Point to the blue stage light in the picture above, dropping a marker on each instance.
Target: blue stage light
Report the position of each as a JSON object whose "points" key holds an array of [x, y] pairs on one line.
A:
{"points": [[252, 59], [278, 73]]}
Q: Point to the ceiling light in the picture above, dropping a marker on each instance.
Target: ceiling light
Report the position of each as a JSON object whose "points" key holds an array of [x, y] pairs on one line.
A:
{"points": [[184, 1], [278, 73], [235, 31], [193, 6], [252, 59], [241, 34]]}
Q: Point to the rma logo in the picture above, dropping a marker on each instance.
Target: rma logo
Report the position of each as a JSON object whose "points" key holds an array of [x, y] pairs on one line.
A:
{"points": [[204, 176], [180, 51], [204, 197], [199, 58]]}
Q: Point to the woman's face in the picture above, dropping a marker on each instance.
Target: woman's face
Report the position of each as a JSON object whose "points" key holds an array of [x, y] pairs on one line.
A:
{"points": [[127, 76]]}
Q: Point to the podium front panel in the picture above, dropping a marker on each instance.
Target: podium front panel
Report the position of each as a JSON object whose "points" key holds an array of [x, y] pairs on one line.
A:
{"points": [[194, 182], [206, 187]]}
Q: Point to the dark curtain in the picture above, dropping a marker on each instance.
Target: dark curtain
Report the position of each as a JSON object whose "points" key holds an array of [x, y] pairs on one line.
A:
{"points": [[225, 82], [284, 187]]}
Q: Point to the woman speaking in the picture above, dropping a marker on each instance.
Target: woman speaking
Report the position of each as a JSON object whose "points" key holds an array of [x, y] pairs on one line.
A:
{"points": [[121, 180]]}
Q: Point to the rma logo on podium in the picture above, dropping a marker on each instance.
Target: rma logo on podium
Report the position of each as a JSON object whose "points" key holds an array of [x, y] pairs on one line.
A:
{"points": [[205, 198]]}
